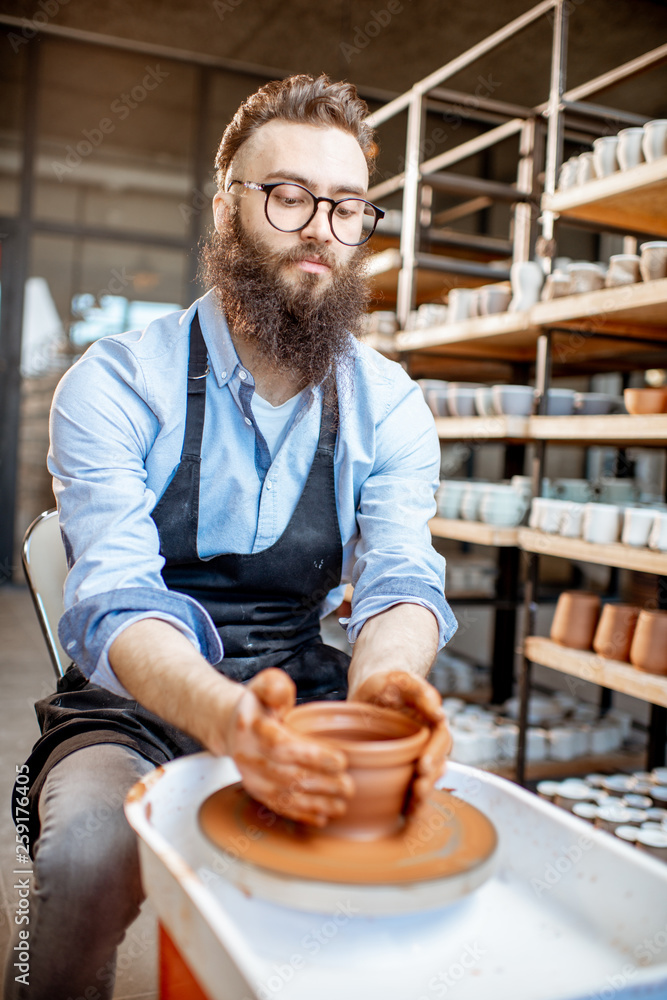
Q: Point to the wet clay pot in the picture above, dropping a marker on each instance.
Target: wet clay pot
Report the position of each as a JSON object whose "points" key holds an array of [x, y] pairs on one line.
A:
{"points": [[381, 746], [575, 619], [613, 636], [649, 644]]}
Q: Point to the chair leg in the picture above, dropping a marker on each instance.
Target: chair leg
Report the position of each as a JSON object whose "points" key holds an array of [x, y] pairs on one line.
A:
{"points": [[176, 979]]}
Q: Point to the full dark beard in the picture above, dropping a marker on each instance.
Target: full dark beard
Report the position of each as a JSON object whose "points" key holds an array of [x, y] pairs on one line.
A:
{"points": [[298, 327]]}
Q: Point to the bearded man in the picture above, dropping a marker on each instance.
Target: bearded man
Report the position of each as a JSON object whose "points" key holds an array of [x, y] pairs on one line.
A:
{"points": [[220, 476]]}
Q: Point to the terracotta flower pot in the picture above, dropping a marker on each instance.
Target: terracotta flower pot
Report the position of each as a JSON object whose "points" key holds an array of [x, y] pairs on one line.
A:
{"points": [[575, 619], [649, 645], [382, 747], [615, 630]]}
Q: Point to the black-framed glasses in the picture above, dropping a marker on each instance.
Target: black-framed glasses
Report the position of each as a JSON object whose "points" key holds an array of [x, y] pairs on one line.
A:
{"points": [[290, 207]]}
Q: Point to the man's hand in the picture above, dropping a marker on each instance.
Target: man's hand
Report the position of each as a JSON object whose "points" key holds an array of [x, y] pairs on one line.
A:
{"points": [[291, 774], [414, 696]]}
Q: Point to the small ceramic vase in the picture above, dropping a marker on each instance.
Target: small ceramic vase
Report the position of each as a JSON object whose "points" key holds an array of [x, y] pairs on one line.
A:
{"points": [[629, 149], [382, 747], [527, 278], [585, 168], [648, 651], [613, 636], [604, 155], [575, 619], [654, 143]]}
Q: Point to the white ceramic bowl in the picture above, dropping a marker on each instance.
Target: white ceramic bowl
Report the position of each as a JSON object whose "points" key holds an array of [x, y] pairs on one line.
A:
{"points": [[513, 400], [560, 402]]}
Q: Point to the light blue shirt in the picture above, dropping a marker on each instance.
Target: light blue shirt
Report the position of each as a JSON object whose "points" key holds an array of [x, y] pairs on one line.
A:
{"points": [[117, 426]]}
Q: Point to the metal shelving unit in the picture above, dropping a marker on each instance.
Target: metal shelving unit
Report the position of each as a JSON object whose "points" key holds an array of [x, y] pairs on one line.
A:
{"points": [[620, 329]]}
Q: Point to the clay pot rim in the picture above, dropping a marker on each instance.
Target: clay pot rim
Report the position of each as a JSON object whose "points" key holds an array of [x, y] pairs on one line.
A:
{"points": [[377, 753]]}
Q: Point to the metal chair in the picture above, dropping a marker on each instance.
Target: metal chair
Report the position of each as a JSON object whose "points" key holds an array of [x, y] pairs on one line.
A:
{"points": [[45, 568]]}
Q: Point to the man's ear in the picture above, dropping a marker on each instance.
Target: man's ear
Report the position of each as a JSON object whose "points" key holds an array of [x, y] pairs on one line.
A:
{"points": [[222, 203]]}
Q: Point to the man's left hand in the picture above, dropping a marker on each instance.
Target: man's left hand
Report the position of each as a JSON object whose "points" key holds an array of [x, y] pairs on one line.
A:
{"points": [[411, 694]]}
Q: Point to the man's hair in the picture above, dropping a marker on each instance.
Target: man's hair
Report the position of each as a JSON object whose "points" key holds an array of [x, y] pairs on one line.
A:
{"points": [[306, 100]]}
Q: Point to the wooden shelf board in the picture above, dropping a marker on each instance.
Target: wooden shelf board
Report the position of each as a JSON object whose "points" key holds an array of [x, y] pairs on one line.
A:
{"points": [[616, 554], [633, 199], [609, 763], [640, 308], [590, 667], [622, 317], [481, 429], [472, 531], [613, 429]]}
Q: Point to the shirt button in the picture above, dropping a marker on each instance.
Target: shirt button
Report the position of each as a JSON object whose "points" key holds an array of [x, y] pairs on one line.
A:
{"points": [[223, 374], [71, 645], [248, 420], [243, 375], [269, 484]]}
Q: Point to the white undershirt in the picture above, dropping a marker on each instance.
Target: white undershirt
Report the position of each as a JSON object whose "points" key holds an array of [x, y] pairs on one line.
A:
{"points": [[274, 421]]}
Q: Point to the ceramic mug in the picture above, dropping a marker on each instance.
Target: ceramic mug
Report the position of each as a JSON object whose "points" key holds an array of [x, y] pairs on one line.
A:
{"points": [[657, 539], [585, 169], [585, 276], [648, 651], [653, 260], [654, 143], [623, 270], [575, 619], [556, 285], [601, 523], [571, 520], [637, 524], [613, 636], [567, 174], [629, 149], [449, 497], [604, 155], [460, 305], [494, 298]]}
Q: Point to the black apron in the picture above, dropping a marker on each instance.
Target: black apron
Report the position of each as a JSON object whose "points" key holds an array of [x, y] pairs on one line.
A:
{"points": [[265, 605]]}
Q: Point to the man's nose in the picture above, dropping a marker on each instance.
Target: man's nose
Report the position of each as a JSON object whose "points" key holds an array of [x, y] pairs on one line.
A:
{"points": [[318, 229]]}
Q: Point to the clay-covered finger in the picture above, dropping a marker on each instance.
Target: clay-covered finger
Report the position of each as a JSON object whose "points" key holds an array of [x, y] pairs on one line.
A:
{"points": [[282, 776], [274, 688], [436, 750], [299, 805], [287, 747]]}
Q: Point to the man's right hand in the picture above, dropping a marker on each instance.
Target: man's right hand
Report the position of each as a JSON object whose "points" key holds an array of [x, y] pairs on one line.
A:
{"points": [[293, 775]]}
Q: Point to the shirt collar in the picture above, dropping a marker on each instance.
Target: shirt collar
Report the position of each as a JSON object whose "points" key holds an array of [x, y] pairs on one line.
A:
{"points": [[223, 359]]}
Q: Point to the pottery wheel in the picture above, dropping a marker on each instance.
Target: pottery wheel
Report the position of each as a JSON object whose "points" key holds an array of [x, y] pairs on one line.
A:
{"points": [[436, 858]]}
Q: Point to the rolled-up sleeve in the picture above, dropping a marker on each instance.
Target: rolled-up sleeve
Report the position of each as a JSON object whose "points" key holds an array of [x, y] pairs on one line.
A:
{"points": [[395, 559], [100, 440]]}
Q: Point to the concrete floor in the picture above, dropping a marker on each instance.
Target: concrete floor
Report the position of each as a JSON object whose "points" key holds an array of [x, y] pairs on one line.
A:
{"points": [[26, 673]]}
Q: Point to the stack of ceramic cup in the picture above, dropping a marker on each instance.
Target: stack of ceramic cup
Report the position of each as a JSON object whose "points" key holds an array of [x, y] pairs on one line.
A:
{"points": [[612, 153], [499, 504], [619, 632], [637, 526]]}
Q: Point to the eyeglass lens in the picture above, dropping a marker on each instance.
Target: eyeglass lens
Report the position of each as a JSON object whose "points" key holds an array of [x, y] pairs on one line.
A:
{"points": [[290, 207]]}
